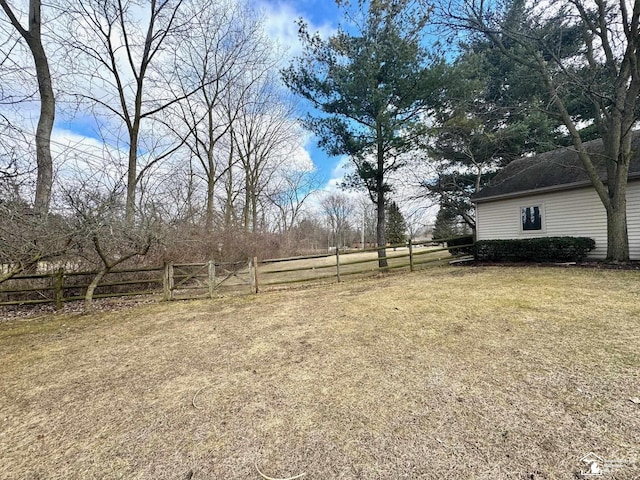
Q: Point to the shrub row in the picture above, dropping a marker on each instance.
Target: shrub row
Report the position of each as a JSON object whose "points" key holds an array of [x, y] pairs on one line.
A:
{"points": [[464, 240], [545, 249]]}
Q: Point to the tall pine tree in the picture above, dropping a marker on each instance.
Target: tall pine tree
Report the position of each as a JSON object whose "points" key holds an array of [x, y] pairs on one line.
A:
{"points": [[370, 84]]}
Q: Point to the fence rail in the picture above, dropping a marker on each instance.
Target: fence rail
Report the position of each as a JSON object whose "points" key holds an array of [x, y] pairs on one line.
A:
{"points": [[205, 280], [334, 266], [62, 286]]}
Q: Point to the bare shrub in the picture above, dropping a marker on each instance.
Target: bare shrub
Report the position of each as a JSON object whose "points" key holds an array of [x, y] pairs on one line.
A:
{"points": [[28, 239]]}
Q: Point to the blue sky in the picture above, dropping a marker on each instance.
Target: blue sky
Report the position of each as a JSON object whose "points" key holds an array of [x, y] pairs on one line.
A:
{"points": [[318, 12]]}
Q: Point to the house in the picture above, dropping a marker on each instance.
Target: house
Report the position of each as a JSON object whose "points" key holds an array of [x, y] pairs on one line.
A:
{"points": [[550, 195]]}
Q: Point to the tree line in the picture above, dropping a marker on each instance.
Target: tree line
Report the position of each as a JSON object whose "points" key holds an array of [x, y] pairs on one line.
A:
{"points": [[194, 139], [189, 133]]}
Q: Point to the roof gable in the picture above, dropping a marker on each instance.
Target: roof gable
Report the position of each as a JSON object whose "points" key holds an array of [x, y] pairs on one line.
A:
{"points": [[557, 169]]}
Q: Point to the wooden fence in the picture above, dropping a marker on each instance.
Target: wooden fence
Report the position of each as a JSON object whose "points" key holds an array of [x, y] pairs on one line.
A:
{"points": [[173, 281], [64, 286], [336, 266], [206, 280]]}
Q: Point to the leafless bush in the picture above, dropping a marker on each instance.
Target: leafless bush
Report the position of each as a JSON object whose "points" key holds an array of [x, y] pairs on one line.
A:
{"points": [[28, 239], [190, 244], [104, 237]]}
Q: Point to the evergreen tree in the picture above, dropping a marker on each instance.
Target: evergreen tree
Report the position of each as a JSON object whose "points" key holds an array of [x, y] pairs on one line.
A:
{"points": [[491, 112], [396, 224], [447, 224], [370, 85]]}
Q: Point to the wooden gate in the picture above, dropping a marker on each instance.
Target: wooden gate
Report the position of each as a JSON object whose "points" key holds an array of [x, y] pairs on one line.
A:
{"points": [[183, 281]]}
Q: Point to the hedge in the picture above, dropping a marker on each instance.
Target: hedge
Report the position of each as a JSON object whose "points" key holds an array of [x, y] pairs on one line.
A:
{"points": [[458, 241], [544, 249]]}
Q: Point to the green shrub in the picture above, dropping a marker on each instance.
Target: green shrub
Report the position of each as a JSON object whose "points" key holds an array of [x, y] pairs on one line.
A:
{"points": [[464, 240], [544, 249]]}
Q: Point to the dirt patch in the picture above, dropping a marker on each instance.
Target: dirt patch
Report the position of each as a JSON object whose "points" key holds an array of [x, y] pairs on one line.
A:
{"points": [[76, 307], [492, 374]]}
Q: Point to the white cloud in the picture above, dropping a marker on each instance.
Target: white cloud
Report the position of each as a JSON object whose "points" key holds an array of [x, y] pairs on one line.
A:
{"points": [[78, 157], [340, 169], [281, 26], [301, 160], [300, 157]]}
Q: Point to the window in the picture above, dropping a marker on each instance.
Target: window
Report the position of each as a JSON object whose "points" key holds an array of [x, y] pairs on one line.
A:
{"points": [[531, 218]]}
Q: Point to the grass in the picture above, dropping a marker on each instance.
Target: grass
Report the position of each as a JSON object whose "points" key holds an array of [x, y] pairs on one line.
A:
{"points": [[446, 373]]}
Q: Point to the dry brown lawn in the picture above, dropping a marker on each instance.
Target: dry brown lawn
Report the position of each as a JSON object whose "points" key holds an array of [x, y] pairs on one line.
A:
{"points": [[447, 373]]}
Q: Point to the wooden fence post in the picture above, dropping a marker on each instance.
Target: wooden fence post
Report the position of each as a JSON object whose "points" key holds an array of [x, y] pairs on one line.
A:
{"points": [[167, 281], [59, 287], [212, 277], [250, 265], [255, 274], [171, 281], [410, 255], [338, 263]]}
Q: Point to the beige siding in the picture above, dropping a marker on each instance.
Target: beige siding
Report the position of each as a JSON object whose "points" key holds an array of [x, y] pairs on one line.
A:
{"points": [[633, 219], [566, 213]]}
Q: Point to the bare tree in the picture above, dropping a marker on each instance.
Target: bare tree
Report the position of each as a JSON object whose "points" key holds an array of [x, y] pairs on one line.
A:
{"points": [[28, 239], [232, 190], [579, 51], [367, 220], [224, 40], [102, 234], [120, 47], [289, 195], [15, 169], [264, 136], [32, 35], [17, 92], [182, 199], [310, 233], [338, 210]]}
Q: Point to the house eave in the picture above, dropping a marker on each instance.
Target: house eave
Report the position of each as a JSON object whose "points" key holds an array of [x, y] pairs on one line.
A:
{"points": [[553, 188]]}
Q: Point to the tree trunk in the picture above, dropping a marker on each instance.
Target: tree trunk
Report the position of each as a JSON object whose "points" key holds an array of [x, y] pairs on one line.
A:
{"points": [[33, 37], [228, 208], [254, 212], [381, 237], [210, 199], [132, 174], [43, 132], [88, 297], [247, 207], [617, 236]]}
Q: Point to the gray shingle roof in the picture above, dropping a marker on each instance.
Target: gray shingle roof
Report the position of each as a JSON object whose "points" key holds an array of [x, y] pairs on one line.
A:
{"points": [[557, 169]]}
